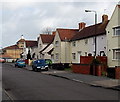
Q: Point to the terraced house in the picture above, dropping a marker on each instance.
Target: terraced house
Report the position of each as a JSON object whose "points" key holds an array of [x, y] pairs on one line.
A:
{"points": [[113, 38], [70, 44], [83, 43], [62, 48]]}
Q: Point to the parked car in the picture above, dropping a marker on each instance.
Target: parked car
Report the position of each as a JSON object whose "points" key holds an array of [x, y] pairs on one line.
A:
{"points": [[49, 62], [39, 65], [2, 60], [20, 63]]}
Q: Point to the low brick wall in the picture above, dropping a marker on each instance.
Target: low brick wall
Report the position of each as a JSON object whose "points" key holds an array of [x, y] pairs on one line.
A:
{"points": [[113, 72], [102, 59], [86, 59], [117, 72], [81, 68]]}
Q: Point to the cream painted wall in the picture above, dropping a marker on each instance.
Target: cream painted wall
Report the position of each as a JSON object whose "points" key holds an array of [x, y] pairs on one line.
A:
{"points": [[57, 49], [65, 52], [41, 46], [84, 49], [80, 47], [112, 41]]}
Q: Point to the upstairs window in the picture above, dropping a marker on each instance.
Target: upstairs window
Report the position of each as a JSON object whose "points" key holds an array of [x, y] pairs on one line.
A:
{"points": [[86, 41], [73, 56], [74, 43], [56, 43], [116, 54], [116, 31]]}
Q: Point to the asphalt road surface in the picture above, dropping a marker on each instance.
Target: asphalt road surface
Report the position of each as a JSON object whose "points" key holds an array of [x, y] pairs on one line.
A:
{"points": [[22, 84]]}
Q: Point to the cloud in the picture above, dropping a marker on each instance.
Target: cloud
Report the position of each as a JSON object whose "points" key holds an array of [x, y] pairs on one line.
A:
{"points": [[30, 18]]}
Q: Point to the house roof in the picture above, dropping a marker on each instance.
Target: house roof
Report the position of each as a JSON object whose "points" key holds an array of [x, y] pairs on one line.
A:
{"points": [[31, 43], [12, 47], [67, 34], [90, 31], [45, 48], [47, 38], [119, 6], [21, 40]]}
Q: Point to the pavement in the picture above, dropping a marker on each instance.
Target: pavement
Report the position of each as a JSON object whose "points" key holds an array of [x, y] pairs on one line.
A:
{"points": [[97, 81]]}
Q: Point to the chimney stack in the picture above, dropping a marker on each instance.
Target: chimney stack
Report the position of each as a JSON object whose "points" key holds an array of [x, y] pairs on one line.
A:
{"points": [[104, 18], [54, 32], [82, 25]]}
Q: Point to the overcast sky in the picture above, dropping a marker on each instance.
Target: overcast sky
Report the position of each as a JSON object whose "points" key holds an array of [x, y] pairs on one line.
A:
{"points": [[30, 18]]}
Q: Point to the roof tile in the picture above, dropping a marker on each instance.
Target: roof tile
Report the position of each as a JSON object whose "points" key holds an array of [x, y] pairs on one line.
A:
{"points": [[47, 38], [67, 34], [90, 31]]}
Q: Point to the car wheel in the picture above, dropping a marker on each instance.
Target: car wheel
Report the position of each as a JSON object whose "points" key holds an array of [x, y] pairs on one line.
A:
{"points": [[35, 69], [46, 69]]}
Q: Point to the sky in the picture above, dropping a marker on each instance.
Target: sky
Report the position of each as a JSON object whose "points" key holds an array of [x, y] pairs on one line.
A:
{"points": [[30, 17]]}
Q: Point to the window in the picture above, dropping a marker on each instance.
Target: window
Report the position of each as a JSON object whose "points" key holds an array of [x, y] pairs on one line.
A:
{"points": [[93, 40], [40, 46], [116, 31], [116, 54], [86, 41], [57, 56], [73, 43], [74, 56], [56, 43]]}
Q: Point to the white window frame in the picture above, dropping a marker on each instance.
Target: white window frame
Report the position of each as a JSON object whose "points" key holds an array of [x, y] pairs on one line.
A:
{"points": [[57, 56], [86, 41], [116, 31], [56, 43], [74, 56], [74, 43], [115, 52], [93, 41]]}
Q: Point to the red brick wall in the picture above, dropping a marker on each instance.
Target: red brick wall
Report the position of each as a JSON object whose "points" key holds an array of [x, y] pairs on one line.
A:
{"points": [[102, 59], [86, 59], [117, 72], [80, 68]]}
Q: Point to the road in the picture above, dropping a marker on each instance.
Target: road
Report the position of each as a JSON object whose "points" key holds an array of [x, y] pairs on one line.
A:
{"points": [[22, 84]]}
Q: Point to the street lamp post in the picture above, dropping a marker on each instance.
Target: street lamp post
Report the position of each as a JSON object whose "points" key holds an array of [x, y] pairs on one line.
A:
{"points": [[95, 28]]}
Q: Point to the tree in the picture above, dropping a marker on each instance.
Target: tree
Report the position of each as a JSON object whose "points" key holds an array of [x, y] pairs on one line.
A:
{"points": [[29, 55], [47, 30]]}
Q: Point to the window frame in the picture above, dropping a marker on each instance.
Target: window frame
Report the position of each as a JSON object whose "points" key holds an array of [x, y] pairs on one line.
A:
{"points": [[115, 51], [115, 29], [57, 56], [74, 56], [56, 43], [74, 43]]}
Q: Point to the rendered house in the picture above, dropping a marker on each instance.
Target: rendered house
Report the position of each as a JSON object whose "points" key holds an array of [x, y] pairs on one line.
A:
{"points": [[13, 51], [27, 46], [113, 38], [45, 45], [83, 43], [62, 47]]}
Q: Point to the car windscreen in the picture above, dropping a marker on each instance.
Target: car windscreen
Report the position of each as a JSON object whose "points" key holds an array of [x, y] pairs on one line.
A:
{"points": [[21, 61], [40, 62]]}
